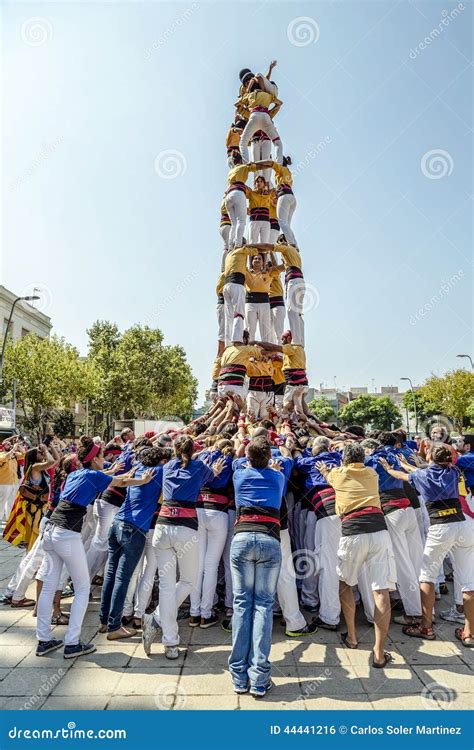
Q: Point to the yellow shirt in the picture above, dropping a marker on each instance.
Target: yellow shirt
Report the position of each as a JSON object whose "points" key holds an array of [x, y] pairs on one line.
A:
{"points": [[356, 486], [258, 200], [233, 138], [240, 173], [290, 255], [277, 374], [259, 369], [216, 368], [220, 283], [276, 288], [260, 281], [294, 357], [283, 175], [239, 355], [235, 260], [8, 469], [256, 99]]}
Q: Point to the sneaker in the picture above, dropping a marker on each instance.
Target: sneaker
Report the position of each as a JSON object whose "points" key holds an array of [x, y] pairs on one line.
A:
{"points": [[208, 622], [452, 615], [45, 647], [6, 599], [229, 612], [172, 652], [194, 622], [67, 592], [79, 649], [149, 632], [310, 608], [227, 625], [259, 691], [240, 689], [308, 629], [325, 625]]}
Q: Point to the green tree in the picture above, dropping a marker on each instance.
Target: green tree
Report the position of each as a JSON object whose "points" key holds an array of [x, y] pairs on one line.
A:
{"points": [[451, 395], [322, 409], [140, 376], [423, 410], [381, 413], [64, 423], [49, 375]]}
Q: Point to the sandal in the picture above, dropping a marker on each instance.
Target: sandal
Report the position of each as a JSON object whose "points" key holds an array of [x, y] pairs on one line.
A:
{"points": [[387, 658], [418, 631], [60, 619], [137, 623], [347, 643], [466, 640], [23, 603]]}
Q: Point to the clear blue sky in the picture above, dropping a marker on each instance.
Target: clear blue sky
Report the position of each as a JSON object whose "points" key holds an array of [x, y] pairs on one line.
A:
{"points": [[93, 92]]}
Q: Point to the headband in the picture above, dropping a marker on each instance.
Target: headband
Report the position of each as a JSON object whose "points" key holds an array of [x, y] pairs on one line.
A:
{"points": [[92, 454]]}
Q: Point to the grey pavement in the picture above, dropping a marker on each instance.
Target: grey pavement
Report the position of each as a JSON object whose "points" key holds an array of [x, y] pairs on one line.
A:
{"points": [[315, 672]]}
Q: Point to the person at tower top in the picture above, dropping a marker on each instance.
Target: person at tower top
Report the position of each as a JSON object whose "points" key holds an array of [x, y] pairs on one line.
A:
{"points": [[247, 77]]}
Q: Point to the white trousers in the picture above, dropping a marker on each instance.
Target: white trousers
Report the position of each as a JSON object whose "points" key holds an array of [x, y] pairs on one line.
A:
{"points": [[104, 513], [286, 205], [88, 527], [7, 498], [286, 589], [236, 203], [309, 589], [147, 578], [278, 323], [408, 550], [259, 231], [260, 121], [261, 151], [234, 310], [224, 230], [25, 571], [229, 597], [326, 543], [212, 536], [220, 322], [63, 547], [258, 403], [293, 399], [258, 312], [274, 234], [456, 538], [177, 549], [295, 291]]}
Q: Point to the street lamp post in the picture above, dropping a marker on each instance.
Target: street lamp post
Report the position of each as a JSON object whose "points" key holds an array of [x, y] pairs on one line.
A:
{"points": [[466, 356], [414, 403], [4, 344]]}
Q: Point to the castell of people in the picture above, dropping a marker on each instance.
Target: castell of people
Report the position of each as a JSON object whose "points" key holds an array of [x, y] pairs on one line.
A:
{"points": [[283, 546]]}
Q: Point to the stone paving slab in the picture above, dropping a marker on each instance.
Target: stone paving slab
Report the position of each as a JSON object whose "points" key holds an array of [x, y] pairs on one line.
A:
{"points": [[310, 673]]}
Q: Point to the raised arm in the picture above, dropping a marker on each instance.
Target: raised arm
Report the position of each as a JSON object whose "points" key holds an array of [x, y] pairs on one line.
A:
{"points": [[272, 65]]}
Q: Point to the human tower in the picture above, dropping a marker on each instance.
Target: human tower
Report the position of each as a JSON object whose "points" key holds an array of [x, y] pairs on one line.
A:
{"points": [[259, 245]]}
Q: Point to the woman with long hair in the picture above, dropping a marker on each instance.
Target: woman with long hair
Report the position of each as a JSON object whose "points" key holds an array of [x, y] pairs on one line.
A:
{"points": [[63, 545], [176, 541]]}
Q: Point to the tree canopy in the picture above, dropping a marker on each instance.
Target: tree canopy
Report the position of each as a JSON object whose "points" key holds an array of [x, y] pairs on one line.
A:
{"points": [[381, 413]]}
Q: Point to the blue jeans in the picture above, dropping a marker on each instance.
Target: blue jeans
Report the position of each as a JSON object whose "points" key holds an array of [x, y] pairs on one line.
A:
{"points": [[255, 560], [126, 544]]}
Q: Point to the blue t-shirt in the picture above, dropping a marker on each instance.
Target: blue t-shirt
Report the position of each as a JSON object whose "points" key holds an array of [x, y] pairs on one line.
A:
{"points": [[184, 484], [141, 502], [222, 480], [386, 482], [126, 457], [436, 483], [466, 464], [260, 488], [287, 465], [307, 466], [82, 486]]}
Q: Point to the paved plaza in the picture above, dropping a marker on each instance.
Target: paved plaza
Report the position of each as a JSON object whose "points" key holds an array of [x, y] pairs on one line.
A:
{"points": [[315, 672]]}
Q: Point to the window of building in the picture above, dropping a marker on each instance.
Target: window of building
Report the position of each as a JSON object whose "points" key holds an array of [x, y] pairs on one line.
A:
{"points": [[24, 332]]}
